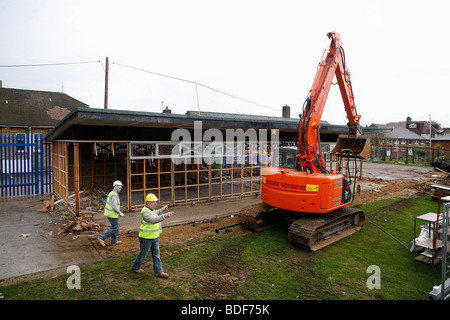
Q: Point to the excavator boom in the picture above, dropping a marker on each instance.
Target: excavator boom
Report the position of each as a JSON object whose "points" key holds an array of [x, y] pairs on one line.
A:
{"points": [[334, 65]]}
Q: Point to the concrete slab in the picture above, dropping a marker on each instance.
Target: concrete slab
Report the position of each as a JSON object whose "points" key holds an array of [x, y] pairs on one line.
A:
{"points": [[389, 172], [28, 241]]}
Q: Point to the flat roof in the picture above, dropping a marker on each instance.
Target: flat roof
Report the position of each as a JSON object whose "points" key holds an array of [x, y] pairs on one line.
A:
{"points": [[73, 126]]}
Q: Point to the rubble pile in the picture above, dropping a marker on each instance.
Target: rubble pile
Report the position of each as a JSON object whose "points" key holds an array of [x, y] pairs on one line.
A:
{"points": [[92, 202], [80, 224]]}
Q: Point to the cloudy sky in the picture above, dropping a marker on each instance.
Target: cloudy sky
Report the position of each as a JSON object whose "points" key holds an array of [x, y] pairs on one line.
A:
{"points": [[246, 56]]}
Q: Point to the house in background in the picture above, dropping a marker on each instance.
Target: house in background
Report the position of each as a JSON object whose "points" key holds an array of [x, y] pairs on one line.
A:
{"points": [[397, 142], [401, 138], [30, 112], [445, 132], [442, 142], [431, 131], [420, 127], [26, 116]]}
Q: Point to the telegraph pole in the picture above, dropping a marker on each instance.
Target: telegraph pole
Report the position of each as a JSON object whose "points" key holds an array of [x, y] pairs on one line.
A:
{"points": [[106, 82]]}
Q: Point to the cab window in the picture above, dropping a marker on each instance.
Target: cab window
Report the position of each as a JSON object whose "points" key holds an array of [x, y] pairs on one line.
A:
{"points": [[286, 159]]}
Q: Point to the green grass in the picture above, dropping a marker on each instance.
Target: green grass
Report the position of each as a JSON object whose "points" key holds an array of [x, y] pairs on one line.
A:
{"points": [[263, 266]]}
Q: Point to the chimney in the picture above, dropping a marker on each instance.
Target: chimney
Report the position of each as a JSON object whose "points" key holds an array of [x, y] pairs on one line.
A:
{"points": [[167, 110], [408, 121], [286, 111]]}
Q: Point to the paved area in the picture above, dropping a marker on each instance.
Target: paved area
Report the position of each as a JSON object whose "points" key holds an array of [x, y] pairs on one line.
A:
{"points": [[28, 242], [22, 248], [394, 172]]}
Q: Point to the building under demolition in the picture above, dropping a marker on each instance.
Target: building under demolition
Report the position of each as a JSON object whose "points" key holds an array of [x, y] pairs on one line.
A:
{"points": [[198, 156]]}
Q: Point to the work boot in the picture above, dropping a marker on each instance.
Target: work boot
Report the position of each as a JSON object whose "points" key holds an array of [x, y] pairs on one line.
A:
{"points": [[161, 275], [138, 270], [102, 243], [117, 243]]}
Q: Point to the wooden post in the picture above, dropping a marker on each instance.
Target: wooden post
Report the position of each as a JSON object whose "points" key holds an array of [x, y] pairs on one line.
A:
{"points": [[209, 180], [106, 82], [129, 177], [92, 168], [172, 183], [66, 173], [360, 168], [76, 176]]}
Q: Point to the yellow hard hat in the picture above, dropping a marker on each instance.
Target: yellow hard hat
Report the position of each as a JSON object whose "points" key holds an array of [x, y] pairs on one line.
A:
{"points": [[151, 197]]}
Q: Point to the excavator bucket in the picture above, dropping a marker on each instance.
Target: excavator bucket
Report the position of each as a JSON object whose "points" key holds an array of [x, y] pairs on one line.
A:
{"points": [[359, 145]]}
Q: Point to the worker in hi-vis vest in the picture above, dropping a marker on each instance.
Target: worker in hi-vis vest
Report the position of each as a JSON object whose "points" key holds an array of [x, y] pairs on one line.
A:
{"points": [[112, 211], [149, 233]]}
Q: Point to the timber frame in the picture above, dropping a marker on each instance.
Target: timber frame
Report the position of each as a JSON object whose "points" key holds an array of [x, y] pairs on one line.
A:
{"points": [[80, 166]]}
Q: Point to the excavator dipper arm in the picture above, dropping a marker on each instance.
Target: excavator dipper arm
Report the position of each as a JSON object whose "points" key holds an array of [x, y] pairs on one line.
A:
{"points": [[333, 65]]}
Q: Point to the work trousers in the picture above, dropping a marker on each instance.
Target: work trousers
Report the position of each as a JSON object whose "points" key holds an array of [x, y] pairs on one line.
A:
{"points": [[113, 232], [146, 245]]}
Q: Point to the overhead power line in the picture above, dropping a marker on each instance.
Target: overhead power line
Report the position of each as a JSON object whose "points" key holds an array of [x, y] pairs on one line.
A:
{"points": [[45, 64], [196, 83], [141, 70]]}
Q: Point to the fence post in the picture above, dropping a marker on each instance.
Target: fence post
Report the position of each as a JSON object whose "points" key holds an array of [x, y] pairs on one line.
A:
{"points": [[41, 153], [1, 159], [36, 163]]}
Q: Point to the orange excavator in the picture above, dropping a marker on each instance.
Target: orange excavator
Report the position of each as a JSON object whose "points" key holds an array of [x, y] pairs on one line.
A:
{"points": [[298, 186]]}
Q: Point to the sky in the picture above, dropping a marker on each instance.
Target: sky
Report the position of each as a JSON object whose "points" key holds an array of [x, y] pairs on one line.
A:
{"points": [[238, 56]]}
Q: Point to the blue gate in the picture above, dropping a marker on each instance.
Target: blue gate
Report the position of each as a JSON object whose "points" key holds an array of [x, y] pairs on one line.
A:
{"points": [[25, 165]]}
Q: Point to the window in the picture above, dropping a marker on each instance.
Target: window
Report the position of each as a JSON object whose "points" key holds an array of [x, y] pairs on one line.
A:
{"points": [[142, 150], [286, 159]]}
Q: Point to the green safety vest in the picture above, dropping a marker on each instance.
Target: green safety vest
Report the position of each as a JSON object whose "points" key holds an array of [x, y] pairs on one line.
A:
{"points": [[149, 230], [109, 211]]}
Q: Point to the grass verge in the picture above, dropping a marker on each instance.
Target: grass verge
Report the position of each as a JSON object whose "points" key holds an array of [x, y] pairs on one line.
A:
{"points": [[263, 266]]}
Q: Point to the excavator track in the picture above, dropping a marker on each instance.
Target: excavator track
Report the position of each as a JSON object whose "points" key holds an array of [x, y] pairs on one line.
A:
{"points": [[314, 232], [309, 231]]}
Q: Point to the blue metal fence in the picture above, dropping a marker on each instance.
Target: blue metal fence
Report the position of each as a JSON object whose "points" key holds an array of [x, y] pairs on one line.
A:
{"points": [[25, 165]]}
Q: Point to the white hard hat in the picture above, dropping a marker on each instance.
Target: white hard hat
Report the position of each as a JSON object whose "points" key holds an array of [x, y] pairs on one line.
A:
{"points": [[117, 183]]}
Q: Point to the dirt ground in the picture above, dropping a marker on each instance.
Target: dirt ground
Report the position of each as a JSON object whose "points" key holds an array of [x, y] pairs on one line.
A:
{"points": [[409, 183], [406, 182], [226, 273], [184, 233]]}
